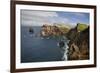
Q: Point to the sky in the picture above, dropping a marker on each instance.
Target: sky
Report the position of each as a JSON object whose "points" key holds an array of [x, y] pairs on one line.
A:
{"points": [[38, 18]]}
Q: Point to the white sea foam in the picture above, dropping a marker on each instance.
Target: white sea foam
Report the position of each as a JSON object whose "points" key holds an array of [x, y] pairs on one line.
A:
{"points": [[65, 51]]}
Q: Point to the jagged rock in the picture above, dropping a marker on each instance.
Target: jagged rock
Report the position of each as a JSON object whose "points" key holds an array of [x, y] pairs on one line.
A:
{"points": [[79, 44], [31, 30]]}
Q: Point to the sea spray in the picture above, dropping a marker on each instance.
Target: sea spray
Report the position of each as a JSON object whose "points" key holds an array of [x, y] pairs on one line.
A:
{"points": [[65, 51]]}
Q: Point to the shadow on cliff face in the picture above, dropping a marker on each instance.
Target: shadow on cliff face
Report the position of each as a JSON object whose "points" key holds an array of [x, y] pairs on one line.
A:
{"points": [[79, 44]]}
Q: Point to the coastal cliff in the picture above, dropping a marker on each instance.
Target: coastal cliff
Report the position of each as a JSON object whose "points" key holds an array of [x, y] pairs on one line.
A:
{"points": [[79, 43], [78, 36]]}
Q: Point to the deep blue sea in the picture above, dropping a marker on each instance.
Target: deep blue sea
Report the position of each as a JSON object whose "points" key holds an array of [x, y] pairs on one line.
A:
{"points": [[36, 49]]}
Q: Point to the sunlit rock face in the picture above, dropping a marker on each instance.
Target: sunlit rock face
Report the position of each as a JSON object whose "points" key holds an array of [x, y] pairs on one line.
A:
{"points": [[53, 30]]}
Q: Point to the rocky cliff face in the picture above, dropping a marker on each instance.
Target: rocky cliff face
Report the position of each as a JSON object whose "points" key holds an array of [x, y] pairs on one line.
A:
{"points": [[79, 44]]}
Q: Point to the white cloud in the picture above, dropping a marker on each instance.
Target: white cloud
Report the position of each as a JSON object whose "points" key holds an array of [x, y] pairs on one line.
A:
{"points": [[38, 18], [38, 13]]}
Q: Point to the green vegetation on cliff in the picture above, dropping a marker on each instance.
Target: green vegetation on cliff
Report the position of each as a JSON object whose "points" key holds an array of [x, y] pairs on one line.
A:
{"points": [[81, 27]]}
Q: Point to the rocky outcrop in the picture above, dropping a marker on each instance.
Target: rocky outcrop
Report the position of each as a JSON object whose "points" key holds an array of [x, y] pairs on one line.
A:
{"points": [[52, 30], [79, 44]]}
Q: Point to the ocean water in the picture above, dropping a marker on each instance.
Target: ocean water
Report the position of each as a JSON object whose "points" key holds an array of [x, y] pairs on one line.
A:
{"points": [[36, 49]]}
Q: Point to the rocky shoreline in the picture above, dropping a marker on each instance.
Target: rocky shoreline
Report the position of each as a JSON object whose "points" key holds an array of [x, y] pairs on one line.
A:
{"points": [[78, 36]]}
